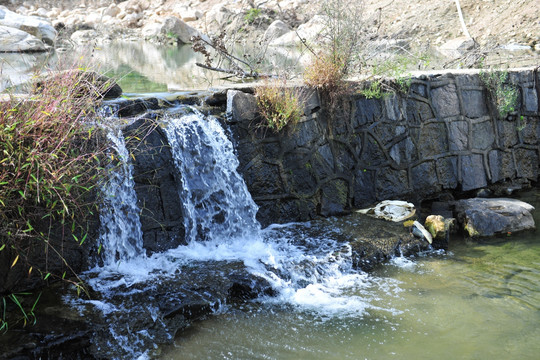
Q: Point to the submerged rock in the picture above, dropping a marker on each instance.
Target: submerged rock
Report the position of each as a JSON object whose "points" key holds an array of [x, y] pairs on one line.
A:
{"points": [[488, 217]]}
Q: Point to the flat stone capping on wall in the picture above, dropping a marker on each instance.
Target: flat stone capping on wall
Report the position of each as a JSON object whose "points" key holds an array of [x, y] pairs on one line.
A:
{"points": [[444, 135]]}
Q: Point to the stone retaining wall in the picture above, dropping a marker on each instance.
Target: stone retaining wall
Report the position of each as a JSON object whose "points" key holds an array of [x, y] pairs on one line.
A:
{"points": [[444, 135]]}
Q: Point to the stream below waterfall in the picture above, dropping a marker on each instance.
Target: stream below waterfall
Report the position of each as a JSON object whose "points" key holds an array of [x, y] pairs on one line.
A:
{"points": [[479, 300]]}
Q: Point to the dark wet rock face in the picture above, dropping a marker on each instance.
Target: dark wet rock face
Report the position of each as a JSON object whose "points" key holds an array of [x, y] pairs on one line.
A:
{"points": [[156, 186], [150, 313]]}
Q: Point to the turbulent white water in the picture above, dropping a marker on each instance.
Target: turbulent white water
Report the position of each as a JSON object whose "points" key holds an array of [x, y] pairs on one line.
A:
{"points": [[217, 203], [121, 234]]}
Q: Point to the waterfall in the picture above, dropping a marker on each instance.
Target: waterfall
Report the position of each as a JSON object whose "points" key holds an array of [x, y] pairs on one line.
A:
{"points": [[217, 203], [304, 263], [120, 233]]}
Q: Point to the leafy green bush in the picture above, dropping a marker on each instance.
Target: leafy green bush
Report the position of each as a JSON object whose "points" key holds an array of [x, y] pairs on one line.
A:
{"points": [[503, 94]]}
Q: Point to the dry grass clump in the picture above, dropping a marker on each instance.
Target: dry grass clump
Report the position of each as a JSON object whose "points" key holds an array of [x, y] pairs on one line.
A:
{"points": [[278, 104]]}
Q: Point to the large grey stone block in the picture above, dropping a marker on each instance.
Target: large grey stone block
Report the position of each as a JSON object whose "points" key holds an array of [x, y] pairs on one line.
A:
{"points": [[241, 106], [473, 175], [501, 165], [458, 136], [488, 217], [445, 100], [483, 136]]}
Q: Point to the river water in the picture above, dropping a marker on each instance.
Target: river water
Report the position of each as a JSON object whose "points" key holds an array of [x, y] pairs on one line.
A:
{"points": [[476, 301]]}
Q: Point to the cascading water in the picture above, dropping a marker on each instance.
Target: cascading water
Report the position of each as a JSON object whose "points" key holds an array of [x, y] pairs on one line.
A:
{"points": [[217, 204], [121, 233], [304, 265]]}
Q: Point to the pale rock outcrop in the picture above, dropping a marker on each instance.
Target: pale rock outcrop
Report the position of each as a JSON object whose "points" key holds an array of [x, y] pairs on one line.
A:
{"points": [[219, 16], [173, 26], [309, 31], [37, 27], [275, 30], [15, 40], [84, 36]]}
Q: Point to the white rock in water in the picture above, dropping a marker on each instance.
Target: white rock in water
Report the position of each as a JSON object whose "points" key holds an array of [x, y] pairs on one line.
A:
{"points": [[392, 210], [420, 231]]}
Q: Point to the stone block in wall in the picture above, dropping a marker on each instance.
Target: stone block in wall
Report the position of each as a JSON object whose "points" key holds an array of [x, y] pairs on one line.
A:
{"points": [[526, 163], [424, 179], [530, 100], [299, 169], [345, 158], [445, 100], [391, 184], [324, 153], [392, 107], [473, 174], [404, 152], [312, 102], [368, 111], [468, 80], [263, 178], [386, 132], [419, 88], [433, 140], [447, 171], [418, 111], [458, 136], [334, 197], [501, 165], [282, 210], [507, 133], [474, 104], [528, 128], [241, 106], [483, 135], [306, 133], [364, 188], [372, 153]]}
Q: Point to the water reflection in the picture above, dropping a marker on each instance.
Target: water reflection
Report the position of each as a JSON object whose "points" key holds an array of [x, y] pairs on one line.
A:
{"points": [[140, 67]]}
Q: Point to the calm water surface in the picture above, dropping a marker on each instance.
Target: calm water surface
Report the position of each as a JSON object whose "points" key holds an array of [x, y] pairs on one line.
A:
{"points": [[477, 301]]}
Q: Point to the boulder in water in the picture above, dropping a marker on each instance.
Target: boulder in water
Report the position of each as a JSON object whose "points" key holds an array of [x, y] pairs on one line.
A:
{"points": [[488, 217]]}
